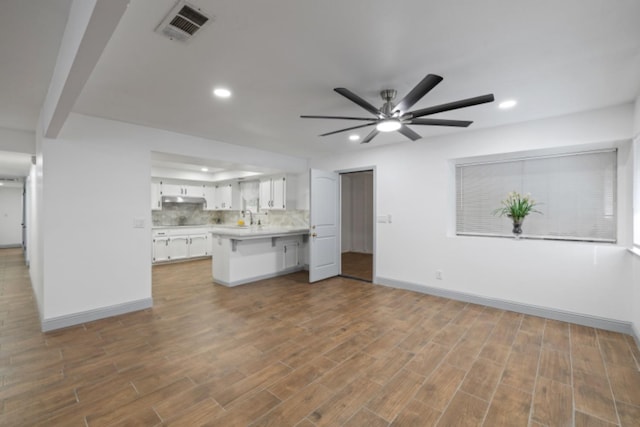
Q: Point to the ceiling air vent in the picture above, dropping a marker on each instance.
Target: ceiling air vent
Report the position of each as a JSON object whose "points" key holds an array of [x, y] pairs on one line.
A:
{"points": [[182, 22]]}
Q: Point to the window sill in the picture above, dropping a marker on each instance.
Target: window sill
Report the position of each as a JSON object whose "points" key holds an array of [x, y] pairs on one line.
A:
{"points": [[635, 251]]}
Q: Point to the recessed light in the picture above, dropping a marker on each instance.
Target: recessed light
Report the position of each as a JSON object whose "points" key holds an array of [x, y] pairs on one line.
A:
{"points": [[222, 92], [354, 137], [1, 183], [505, 105], [204, 169]]}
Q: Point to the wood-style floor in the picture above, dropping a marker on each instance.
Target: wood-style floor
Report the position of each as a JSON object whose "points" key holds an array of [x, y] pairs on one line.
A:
{"points": [[357, 265], [282, 352]]}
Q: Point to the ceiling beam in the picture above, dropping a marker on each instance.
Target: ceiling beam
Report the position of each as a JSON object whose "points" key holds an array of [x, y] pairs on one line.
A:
{"points": [[90, 25]]}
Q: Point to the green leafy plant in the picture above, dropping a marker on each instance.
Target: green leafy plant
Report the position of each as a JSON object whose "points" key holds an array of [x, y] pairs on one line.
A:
{"points": [[516, 206]]}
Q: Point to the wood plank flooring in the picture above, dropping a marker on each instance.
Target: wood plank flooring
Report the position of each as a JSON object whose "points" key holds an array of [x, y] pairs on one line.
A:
{"points": [[282, 352], [357, 265]]}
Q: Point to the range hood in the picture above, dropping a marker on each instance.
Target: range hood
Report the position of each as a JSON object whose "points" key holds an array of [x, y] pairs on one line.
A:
{"points": [[184, 199]]}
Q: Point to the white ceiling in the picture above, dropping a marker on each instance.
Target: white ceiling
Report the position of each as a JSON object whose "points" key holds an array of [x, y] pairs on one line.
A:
{"points": [[282, 58], [30, 35]]}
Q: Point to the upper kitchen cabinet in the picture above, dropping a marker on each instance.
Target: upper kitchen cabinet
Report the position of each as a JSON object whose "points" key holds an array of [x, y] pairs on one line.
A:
{"points": [[169, 189], [210, 197], [156, 196], [276, 191], [227, 196]]}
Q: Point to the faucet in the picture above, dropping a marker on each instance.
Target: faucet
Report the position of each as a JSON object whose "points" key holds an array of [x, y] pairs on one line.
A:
{"points": [[244, 214]]}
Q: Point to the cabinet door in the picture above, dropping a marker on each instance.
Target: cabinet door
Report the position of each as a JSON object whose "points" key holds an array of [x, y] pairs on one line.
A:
{"points": [[278, 193], [198, 245], [193, 190], [160, 249], [210, 198], [223, 197], [156, 196], [178, 247], [264, 194], [172, 190]]}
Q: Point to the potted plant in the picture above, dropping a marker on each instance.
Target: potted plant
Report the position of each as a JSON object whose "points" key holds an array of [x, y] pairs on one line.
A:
{"points": [[517, 207]]}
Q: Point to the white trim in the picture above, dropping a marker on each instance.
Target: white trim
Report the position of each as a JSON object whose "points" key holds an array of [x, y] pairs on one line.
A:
{"points": [[374, 170], [95, 314], [533, 310]]}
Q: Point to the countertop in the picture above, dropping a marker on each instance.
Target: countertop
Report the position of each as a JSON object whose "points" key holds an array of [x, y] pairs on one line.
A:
{"points": [[255, 232], [239, 232]]}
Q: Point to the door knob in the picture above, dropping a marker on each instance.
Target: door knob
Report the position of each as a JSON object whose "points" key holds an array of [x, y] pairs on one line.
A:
{"points": [[314, 235]]}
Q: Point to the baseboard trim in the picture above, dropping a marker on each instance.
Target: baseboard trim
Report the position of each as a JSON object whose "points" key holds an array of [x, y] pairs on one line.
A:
{"points": [[534, 310], [96, 314], [15, 245], [256, 278], [636, 336]]}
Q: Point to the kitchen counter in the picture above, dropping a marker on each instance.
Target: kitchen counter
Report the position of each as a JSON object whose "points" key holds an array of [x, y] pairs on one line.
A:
{"points": [[247, 254], [255, 232], [155, 227]]}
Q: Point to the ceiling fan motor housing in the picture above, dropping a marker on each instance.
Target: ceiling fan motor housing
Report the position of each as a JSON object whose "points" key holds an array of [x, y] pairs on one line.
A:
{"points": [[387, 96]]}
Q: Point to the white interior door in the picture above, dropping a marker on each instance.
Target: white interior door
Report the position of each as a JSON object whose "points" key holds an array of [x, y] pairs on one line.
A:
{"points": [[324, 245]]}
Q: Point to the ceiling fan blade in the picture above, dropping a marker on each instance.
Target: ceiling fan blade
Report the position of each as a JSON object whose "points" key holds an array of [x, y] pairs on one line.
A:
{"points": [[355, 98], [449, 106], [409, 133], [369, 119], [369, 137], [421, 89], [440, 122], [344, 130]]}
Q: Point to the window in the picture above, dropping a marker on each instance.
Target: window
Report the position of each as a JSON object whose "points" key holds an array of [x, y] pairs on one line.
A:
{"points": [[576, 194]]}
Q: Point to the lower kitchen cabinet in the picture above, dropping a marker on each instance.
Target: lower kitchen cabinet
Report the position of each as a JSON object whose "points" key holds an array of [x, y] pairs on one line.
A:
{"points": [[199, 245], [161, 248], [169, 246], [178, 247]]}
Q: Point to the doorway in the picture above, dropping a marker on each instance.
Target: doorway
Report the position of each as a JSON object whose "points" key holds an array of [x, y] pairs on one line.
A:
{"points": [[356, 219]]}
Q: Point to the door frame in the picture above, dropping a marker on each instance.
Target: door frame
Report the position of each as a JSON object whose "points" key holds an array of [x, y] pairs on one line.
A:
{"points": [[373, 169]]}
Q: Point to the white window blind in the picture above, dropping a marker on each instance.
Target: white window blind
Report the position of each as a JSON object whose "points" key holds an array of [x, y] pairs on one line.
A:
{"points": [[576, 194]]}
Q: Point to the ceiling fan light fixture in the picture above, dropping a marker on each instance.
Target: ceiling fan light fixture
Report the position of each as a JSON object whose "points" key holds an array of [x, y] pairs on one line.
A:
{"points": [[389, 125]]}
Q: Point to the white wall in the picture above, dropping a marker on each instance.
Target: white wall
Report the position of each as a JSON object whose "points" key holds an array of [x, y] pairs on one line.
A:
{"points": [[415, 185], [35, 234], [636, 258], [97, 176], [10, 216]]}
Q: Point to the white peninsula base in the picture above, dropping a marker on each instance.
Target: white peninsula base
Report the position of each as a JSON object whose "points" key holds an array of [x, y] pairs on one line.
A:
{"points": [[244, 256]]}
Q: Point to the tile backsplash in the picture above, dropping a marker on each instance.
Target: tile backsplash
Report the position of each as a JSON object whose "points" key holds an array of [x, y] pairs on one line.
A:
{"points": [[173, 214]]}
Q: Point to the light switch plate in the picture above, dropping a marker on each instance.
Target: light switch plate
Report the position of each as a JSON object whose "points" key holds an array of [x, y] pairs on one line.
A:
{"points": [[382, 219], [138, 222]]}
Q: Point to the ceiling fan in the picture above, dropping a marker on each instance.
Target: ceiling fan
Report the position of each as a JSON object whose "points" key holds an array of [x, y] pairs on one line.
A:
{"points": [[391, 117]]}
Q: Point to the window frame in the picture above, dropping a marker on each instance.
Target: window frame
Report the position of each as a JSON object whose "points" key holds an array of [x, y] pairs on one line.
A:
{"points": [[549, 154]]}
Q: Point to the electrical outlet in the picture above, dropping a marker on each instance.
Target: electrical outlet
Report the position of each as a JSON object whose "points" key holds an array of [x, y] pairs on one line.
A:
{"points": [[439, 274]]}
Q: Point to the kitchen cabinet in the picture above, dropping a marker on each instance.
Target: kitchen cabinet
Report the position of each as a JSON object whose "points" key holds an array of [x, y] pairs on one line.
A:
{"points": [[210, 198], [156, 196], [178, 247], [199, 245], [273, 193], [160, 248], [173, 244], [227, 197], [182, 190]]}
